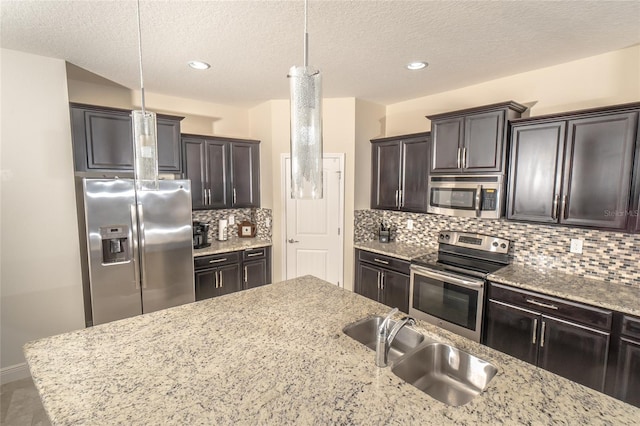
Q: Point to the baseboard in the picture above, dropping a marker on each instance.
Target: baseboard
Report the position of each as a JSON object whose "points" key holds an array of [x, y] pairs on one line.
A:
{"points": [[14, 372]]}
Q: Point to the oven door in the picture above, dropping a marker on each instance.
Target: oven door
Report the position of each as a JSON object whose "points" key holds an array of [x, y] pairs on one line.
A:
{"points": [[450, 301]]}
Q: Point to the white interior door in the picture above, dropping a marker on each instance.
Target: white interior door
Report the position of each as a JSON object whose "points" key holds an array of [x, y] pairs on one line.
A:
{"points": [[314, 228]]}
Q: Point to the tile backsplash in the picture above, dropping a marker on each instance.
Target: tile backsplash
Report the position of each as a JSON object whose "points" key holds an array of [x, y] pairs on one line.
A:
{"points": [[608, 256], [262, 218]]}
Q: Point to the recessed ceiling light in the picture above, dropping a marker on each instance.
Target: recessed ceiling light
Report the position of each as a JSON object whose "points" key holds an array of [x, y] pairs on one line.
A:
{"points": [[198, 65], [416, 65]]}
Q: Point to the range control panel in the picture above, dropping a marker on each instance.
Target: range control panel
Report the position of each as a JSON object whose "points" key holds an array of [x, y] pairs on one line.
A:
{"points": [[474, 241]]}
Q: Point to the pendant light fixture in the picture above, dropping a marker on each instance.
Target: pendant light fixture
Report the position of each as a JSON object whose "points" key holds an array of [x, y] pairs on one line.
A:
{"points": [[145, 139], [306, 126]]}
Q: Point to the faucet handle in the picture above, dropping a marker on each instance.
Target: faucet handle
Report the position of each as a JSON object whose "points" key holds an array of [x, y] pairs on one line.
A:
{"points": [[385, 322]]}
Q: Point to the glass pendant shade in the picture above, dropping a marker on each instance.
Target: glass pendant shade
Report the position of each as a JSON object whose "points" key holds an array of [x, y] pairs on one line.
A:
{"points": [[306, 132], [145, 143]]}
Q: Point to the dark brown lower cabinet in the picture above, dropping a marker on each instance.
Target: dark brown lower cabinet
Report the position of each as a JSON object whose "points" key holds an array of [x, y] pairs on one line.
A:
{"points": [[217, 281], [256, 266], [225, 273], [382, 284], [628, 372], [573, 350]]}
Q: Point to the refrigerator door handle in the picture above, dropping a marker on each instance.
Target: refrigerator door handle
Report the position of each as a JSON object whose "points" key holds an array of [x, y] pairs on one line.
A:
{"points": [[143, 262], [134, 246]]}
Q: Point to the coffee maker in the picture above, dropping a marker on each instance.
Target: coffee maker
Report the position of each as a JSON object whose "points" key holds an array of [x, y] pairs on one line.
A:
{"points": [[200, 235]]}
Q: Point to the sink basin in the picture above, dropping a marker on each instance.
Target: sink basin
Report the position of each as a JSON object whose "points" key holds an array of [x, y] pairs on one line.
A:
{"points": [[445, 373], [365, 330]]}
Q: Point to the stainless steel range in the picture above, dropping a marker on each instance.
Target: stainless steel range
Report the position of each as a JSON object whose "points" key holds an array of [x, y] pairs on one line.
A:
{"points": [[448, 290]]}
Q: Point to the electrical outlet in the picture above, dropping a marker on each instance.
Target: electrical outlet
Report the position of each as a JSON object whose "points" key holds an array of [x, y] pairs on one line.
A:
{"points": [[267, 222], [576, 246], [410, 224], [232, 219]]}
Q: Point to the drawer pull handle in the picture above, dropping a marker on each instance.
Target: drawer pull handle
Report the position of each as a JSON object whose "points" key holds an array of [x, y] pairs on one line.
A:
{"points": [[255, 254], [218, 260], [535, 331], [544, 326], [544, 305], [384, 262]]}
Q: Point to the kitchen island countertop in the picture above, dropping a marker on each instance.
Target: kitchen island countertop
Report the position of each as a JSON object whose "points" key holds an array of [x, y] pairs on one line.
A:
{"points": [[277, 355], [232, 244]]}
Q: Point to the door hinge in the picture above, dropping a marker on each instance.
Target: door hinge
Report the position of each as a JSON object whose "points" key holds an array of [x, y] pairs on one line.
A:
{"points": [[338, 231]]}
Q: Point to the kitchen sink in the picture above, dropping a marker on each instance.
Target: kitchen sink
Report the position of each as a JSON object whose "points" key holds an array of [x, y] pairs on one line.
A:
{"points": [[445, 373], [365, 331]]}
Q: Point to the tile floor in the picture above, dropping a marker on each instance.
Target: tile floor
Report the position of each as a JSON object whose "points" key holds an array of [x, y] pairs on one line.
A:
{"points": [[20, 405]]}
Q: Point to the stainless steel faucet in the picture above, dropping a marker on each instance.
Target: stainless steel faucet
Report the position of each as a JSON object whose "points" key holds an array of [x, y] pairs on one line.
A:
{"points": [[385, 337]]}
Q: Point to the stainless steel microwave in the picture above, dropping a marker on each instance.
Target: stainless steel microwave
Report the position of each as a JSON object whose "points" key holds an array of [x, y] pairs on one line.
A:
{"points": [[479, 196]]}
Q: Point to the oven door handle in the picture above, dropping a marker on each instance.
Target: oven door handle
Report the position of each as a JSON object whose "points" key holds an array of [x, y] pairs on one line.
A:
{"points": [[447, 277]]}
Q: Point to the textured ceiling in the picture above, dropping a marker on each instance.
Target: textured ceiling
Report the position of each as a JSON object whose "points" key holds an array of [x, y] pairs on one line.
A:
{"points": [[361, 47]]}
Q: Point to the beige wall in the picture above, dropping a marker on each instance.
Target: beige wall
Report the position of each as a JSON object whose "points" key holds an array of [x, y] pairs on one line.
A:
{"points": [[370, 124], [339, 128], [41, 285], [202, 118], [607, 79]]}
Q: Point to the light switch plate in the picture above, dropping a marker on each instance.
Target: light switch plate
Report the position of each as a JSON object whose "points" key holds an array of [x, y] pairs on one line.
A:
{"points": [[576, 246], [409, 224]]}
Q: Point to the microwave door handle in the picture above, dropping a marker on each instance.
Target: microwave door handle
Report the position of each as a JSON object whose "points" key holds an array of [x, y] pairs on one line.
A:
{"points": [[478, 199]]}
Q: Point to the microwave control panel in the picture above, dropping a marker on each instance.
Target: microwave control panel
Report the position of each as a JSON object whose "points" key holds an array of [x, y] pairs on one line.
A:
{"points": [[489, 199]]}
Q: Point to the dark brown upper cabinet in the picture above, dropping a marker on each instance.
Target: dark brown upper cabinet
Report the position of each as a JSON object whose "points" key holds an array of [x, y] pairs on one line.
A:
{"points": [[574, 168], [103, 140], [224, 172], [472, 140], [399, 173]]}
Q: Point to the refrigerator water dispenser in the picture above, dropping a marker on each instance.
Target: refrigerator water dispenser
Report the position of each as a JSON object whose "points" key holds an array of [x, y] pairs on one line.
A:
{"points": [[115, 244]]}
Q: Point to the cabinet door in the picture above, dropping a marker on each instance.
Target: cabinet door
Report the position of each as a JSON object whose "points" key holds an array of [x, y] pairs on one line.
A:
{"points": [[395, 290], [415, 175], [109, 140], [446, 147], [216, 170], [255, 273], [229, 281], [245, 174], [368, 281], [169, 145], [573, 351], [598, 164], [206, 284], [194, 169], [512, 330], [535, 173], [628, 372], [385, 175], [483, 139]]}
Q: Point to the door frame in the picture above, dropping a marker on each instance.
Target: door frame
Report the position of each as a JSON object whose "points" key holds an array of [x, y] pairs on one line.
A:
{"points": [[283, 204]]}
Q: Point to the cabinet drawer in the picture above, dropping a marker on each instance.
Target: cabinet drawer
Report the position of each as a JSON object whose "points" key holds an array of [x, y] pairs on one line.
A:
{"points": [[630, 327], [385, 261], [254, 254], [577, 312], [216, 260]]}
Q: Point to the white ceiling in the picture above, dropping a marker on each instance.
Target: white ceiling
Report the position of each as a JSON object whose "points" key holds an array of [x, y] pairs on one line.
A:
{"points": [[361, 47]]}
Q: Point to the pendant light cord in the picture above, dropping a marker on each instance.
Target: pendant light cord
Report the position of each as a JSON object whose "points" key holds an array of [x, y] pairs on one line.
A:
{"points": [[306, 37], [140, 56]]}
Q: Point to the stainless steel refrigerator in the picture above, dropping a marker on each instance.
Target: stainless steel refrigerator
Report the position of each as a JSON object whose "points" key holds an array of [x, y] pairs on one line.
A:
{"points": [[137, 247]]}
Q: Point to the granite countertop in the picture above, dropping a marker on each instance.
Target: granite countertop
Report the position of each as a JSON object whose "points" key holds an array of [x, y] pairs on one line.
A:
{"points": [[395, 249], [277, 355], [232, 244], [594, 292]]}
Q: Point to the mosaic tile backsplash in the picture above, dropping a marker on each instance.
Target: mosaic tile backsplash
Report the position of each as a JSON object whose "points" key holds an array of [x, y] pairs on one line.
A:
{"points": [[608, 256], [262, 218]]}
